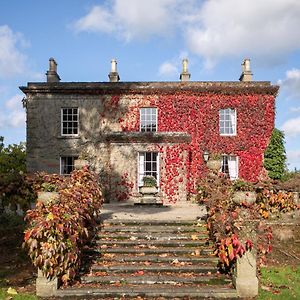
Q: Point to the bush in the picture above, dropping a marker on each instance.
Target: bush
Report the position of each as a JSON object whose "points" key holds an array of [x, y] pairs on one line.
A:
{"points": [[275, 157], [57, 231]]}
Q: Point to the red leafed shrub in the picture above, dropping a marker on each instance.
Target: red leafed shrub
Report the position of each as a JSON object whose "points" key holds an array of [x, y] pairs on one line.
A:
{"points": [[226, 218], [57, 231]]}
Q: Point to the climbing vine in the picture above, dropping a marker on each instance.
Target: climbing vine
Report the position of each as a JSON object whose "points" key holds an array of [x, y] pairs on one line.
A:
{"points": [[197, 114]]}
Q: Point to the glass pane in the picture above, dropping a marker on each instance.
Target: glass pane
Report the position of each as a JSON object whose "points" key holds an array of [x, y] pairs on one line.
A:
{"points": [[148, 156]]}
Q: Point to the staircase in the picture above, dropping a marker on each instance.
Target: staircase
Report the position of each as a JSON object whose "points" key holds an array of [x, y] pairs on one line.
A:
{"points": [[152, 260]]}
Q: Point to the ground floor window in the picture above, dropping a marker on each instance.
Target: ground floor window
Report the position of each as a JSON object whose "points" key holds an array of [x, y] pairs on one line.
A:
{"points": [[230, 166], [67, 164], [148, 166]]}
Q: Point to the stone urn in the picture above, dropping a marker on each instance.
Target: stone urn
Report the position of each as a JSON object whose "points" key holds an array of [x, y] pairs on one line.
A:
{"points": [[244, 196], [146, 190], [47, 197], [214, 165]]}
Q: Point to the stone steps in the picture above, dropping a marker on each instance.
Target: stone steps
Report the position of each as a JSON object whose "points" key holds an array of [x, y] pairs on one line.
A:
{"points": [[150, 259]]}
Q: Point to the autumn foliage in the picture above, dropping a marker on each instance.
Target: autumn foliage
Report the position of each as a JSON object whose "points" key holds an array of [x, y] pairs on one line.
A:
{"points": [[197, 114], [58, 230], [226, 218]]}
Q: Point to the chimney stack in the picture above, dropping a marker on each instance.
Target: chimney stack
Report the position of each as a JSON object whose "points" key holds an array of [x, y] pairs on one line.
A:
{"points": [[113, 75], [185, 75], [246, 71], [51, 74]]}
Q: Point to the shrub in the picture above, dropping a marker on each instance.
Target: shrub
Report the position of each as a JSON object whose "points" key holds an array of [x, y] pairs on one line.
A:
{"points": [[149, 181], [57, 231], [275, 157]]}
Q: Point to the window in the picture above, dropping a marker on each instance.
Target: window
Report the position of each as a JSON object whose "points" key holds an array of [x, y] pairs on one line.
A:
{"points": [[230, 166], [227, 118], [67, 164], [148, 119], [69, 121], [148, 166]]}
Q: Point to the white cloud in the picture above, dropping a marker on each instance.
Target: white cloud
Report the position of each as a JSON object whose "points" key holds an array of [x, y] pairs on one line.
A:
{"points": [[248, 28], [17, 118], [212, 29], [14, 102], [12, 61], [291, 127], [168, 69], [132, 19], [291, 83], [295, 109]]}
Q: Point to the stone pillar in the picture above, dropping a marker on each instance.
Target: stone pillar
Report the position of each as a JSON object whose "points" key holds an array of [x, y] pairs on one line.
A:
{"points": [[45, 287], [245, 276], [296, 198]]}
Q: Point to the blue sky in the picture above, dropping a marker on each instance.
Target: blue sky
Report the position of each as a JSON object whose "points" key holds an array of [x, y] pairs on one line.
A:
{"points": [[149, 40]]}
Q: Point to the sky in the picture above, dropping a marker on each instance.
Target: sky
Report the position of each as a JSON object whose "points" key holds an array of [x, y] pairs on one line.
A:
{"points": [[149, 39]]}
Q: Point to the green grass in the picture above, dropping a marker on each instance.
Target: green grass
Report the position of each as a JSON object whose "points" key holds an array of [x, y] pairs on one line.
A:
{"points": [[4, 296], [280, 283]]}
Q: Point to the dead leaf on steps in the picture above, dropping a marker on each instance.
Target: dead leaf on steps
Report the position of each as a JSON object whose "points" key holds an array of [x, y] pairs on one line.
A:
{"points": [[163, 255], [133, 238], [196, 252], [175, 261], [147, 263], [194, 237]]}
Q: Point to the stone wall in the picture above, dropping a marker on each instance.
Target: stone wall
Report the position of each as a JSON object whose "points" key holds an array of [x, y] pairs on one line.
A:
{"points": [[109, 130]]}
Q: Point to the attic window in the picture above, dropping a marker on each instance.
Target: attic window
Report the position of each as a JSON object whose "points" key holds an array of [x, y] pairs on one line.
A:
{"points": [[148, 119], [69, 121]]}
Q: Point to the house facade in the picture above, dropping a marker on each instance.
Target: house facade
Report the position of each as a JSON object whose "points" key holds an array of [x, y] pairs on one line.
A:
{"points": [[128, 130]]}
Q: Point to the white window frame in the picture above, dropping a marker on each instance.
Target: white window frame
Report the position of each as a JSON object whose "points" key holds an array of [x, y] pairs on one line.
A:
{"points": [[142, 164], [148, 114], [61, 164], [231, 112], [230, 159], [62, 121]]}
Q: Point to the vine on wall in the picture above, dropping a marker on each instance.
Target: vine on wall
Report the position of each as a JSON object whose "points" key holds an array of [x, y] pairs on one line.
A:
{"points": [[198, 115]]}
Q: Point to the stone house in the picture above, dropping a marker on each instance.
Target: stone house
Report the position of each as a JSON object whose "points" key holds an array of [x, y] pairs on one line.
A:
{"points": [[127, 130]]}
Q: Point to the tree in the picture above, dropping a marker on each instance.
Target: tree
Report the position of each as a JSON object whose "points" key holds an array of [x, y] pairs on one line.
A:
{"points": [[275, 156]]}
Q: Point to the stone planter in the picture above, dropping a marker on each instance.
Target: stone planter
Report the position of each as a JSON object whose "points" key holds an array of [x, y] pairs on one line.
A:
{"points": [[214, 165], [146, 190], [80, 163], [47, 197], [244, 196]]}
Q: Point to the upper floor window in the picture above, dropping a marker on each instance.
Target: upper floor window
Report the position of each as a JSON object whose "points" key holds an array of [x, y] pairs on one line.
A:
{"points": [[230, 166], [148, 119], [69, 121], [67, 164], [227, 121]]}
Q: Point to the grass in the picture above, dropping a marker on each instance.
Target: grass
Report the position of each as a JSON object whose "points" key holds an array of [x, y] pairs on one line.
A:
{"points": [[4, 296], [280, 283]]}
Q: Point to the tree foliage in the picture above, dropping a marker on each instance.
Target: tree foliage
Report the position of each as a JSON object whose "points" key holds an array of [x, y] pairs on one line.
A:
{"points": [[275, 156]]}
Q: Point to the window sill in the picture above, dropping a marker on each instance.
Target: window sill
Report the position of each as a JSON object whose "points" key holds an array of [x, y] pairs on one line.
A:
{"points": [[228, 134], [68, 137]]}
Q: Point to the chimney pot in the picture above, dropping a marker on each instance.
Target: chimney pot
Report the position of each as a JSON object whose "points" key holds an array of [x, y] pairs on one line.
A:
{"points": [[51, 74], [246, 71], [185, 75], [113, 75]]}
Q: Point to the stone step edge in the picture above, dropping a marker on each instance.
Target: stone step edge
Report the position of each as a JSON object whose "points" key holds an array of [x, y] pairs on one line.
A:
{"points": [[154, 222], [167, 292], [159, 259], [166, 243], [189, 251], [159, 279], [174, 269], [155, 236]]}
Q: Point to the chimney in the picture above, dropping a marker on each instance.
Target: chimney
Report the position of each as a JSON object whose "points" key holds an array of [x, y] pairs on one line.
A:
{"points": [[246, 71], [113, 75], [185, 75], [51, 74]]}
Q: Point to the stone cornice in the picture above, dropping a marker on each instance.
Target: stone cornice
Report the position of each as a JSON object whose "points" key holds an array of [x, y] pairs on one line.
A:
{"points": [[196, 87]]}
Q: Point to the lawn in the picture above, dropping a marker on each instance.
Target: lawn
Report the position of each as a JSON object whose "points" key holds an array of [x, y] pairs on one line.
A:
{"points": [[280, 283]]}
